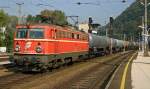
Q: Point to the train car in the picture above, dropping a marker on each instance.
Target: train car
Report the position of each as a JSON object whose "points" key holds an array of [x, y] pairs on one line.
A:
{"points": [[101, 45], [40, 47], [43, 46], [98, 45], [119, 45], [126, 45], [114, 43]]}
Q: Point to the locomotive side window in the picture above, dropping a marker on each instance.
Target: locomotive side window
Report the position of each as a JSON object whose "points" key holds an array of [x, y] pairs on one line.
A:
{"points": [[72, 35], [36, 33], [78, 36], [22, 33]]}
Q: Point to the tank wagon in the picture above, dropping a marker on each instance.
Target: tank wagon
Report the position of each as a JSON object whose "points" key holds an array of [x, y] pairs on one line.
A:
{"points": [[98, 44], [120, 45], [42, 46]]}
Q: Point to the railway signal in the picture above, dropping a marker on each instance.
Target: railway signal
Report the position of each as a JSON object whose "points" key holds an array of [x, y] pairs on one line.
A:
{"points": [[90, 24], [111, 20]]}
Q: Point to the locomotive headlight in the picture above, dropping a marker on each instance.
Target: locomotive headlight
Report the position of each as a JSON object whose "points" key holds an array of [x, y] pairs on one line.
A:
{"points": [[38, 49], [17, 48]]}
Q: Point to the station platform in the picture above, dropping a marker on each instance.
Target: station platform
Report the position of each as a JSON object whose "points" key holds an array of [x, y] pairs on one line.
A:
{"points": [[140, 72]]}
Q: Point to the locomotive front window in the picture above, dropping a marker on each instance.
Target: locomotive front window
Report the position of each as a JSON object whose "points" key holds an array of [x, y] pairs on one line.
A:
{"points": [[21, 33], [36, 33]]}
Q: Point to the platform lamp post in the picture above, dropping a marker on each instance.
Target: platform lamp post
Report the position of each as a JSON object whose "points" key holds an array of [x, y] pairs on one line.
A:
{"points": [[142, 34], [145, 28], [146, 31], [111, 20]]}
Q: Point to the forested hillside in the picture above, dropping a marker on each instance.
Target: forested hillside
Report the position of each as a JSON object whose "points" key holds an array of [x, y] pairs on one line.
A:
{"points": [[129, 21]]}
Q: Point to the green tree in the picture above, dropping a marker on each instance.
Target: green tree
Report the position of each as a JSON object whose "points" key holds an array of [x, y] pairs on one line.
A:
{"points": [[57, 16], [49, 16], [4, 18]]}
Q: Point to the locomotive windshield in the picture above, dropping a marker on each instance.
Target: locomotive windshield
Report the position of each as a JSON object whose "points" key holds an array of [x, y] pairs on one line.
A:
{"points": [[21, 33], [36, 33]]}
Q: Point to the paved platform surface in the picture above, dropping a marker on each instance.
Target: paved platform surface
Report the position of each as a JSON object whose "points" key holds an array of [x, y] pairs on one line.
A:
{"points": [[117, 80], [140, 72]]}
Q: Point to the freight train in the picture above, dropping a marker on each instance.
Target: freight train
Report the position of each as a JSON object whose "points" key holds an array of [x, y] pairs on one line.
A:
{"points": [[43, 47]]}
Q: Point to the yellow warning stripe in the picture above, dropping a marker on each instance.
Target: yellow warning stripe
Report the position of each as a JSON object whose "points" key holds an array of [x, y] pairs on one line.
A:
{"points": [[122, 86]]}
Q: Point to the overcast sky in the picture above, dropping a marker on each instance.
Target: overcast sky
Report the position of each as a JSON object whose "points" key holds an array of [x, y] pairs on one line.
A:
{"points": [[100, 11]]}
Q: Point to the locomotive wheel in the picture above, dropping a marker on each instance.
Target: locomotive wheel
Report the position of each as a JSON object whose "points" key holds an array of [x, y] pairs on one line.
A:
{"points": [[55, 64], [60, 63], [70, 62], [50, 66], [42, 68]]}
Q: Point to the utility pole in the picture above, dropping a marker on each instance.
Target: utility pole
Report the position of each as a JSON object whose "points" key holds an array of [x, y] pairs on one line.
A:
{"points": [[124, 38], [143, 37], [19, 12], [110, 33], [106, 33], [145, 31], [139, 42]]}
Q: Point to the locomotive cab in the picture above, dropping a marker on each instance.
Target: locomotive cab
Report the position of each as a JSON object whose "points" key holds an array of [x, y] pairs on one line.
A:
{"points": [[29, 45]]}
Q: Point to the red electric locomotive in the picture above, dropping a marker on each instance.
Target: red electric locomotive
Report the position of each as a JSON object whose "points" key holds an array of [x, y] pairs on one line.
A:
{"points": [[40, 47]]}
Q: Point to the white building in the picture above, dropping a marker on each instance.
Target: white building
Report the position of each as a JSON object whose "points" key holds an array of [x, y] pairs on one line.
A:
{"points": [[84, 27]]}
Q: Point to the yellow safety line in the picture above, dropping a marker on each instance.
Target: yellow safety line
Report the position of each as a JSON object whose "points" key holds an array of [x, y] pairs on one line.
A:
{"points": [[122, 86]]}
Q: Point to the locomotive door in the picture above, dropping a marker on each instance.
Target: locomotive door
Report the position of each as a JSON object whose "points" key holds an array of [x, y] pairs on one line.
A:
{"points": [[55, 41]]}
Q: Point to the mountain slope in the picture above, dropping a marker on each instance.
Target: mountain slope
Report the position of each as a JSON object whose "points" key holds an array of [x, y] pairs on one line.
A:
{"points": [[129, 21]]}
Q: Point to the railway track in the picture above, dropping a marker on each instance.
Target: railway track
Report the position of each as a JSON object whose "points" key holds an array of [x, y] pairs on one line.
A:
{"points": [[4, 57], [95, 78], [86, 80], [9, 80]]}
